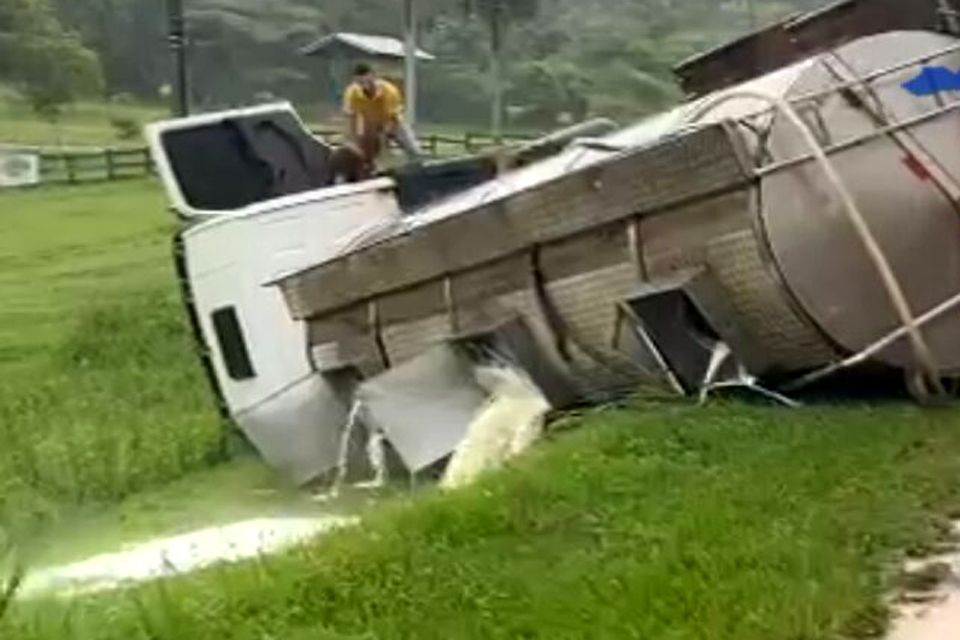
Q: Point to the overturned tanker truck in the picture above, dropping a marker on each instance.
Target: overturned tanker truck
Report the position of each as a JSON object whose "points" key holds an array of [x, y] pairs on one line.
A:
{"points": [[800, 217]]}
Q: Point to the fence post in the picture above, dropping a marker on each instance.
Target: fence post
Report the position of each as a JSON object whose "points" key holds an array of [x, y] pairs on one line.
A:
{"points": [[71, 170], [434, 145], [468, 142], [111, 169], [147, 161]]}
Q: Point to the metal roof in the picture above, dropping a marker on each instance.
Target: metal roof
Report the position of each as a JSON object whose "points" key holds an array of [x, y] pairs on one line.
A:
{"points": [[379, 46]]}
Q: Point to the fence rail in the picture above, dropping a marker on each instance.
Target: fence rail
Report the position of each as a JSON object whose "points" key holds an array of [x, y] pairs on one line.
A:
{"points": [[73, 166], [440, 144], [90, 166]]}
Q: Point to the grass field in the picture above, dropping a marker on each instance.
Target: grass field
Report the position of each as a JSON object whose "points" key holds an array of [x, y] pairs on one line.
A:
{"points": [[649, 521], [726, 523]]}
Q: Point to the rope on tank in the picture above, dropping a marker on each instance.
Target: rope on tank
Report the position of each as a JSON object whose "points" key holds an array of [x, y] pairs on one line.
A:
{"points": [[924, 356], [874, 349], [949, 16]]}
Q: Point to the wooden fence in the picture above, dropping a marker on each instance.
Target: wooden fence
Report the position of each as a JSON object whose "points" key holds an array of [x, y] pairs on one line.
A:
{"points": [[77, 166], [439, 145], [72, 167]]}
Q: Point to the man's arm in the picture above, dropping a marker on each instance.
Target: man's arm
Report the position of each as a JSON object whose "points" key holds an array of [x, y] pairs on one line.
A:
{"points": [[394, 107]]}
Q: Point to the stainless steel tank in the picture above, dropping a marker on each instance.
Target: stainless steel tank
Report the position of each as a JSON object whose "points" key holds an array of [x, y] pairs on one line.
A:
{"points": [[885, 110], [902, 167]]}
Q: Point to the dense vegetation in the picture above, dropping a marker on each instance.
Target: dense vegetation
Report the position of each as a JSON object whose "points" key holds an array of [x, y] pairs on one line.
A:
{"points": [[566, 57], [47, 63]]}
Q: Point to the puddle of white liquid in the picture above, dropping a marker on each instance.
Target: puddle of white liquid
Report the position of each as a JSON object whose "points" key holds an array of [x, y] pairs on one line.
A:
{"points": [[936, 619], [177, 555]]}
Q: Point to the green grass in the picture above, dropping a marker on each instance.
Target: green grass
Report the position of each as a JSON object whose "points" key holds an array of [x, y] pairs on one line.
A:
{"points": [[101, 392], [726, 523], [82, 124]]}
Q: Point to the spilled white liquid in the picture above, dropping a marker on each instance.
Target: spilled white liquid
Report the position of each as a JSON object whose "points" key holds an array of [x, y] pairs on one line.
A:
{"points": [[938, 617], [177, 555], [938, 621], [508, 424], [376, 457]]}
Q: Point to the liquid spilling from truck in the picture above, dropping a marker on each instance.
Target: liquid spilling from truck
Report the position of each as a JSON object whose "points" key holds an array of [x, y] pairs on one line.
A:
{"points": [[799, 218]]}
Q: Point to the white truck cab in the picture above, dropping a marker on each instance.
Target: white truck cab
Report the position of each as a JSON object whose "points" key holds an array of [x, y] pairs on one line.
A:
{"points": [[256, 203], [260, 201]]}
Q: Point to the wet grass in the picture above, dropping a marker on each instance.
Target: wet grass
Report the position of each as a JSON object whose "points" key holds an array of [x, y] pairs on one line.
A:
{"points": [[242, 489], [100, 392], [649, 522]]}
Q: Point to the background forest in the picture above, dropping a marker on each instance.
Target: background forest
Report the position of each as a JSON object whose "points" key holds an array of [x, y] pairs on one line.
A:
{"points": [[567, 58]]}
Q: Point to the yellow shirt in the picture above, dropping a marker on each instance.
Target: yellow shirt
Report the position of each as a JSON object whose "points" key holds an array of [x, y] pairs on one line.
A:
{"points": [[385, 106]]}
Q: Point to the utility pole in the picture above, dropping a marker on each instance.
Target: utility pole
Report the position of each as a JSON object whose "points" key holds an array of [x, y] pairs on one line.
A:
{"points": [[177, 38], [410, 54], [497, 19]]}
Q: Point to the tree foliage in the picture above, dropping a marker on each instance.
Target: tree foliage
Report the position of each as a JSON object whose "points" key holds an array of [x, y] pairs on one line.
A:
{"points": [[566, 58], [489, 10], [49, 63]]}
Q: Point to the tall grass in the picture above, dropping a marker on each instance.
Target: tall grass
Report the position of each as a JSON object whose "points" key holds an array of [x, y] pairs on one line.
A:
{"points": [[120, 406], [101, 394]]}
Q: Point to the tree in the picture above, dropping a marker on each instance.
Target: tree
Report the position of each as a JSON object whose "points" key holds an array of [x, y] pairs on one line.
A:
{"points": [[130, 38], [46, 62], [242, 48], [499, 15]]}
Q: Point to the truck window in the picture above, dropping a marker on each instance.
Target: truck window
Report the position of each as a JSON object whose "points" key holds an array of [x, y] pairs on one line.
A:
{"points": [[233, 346]]}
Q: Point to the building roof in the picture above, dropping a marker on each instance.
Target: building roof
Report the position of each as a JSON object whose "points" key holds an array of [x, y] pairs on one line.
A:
{"points": [[363, 44]]}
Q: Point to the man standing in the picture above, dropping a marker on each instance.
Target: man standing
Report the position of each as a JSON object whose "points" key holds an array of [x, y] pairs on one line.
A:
{"points": [[374, 108]]}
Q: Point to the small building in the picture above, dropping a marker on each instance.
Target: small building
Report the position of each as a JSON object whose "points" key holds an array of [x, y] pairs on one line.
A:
{"points": [[342, 50]]}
